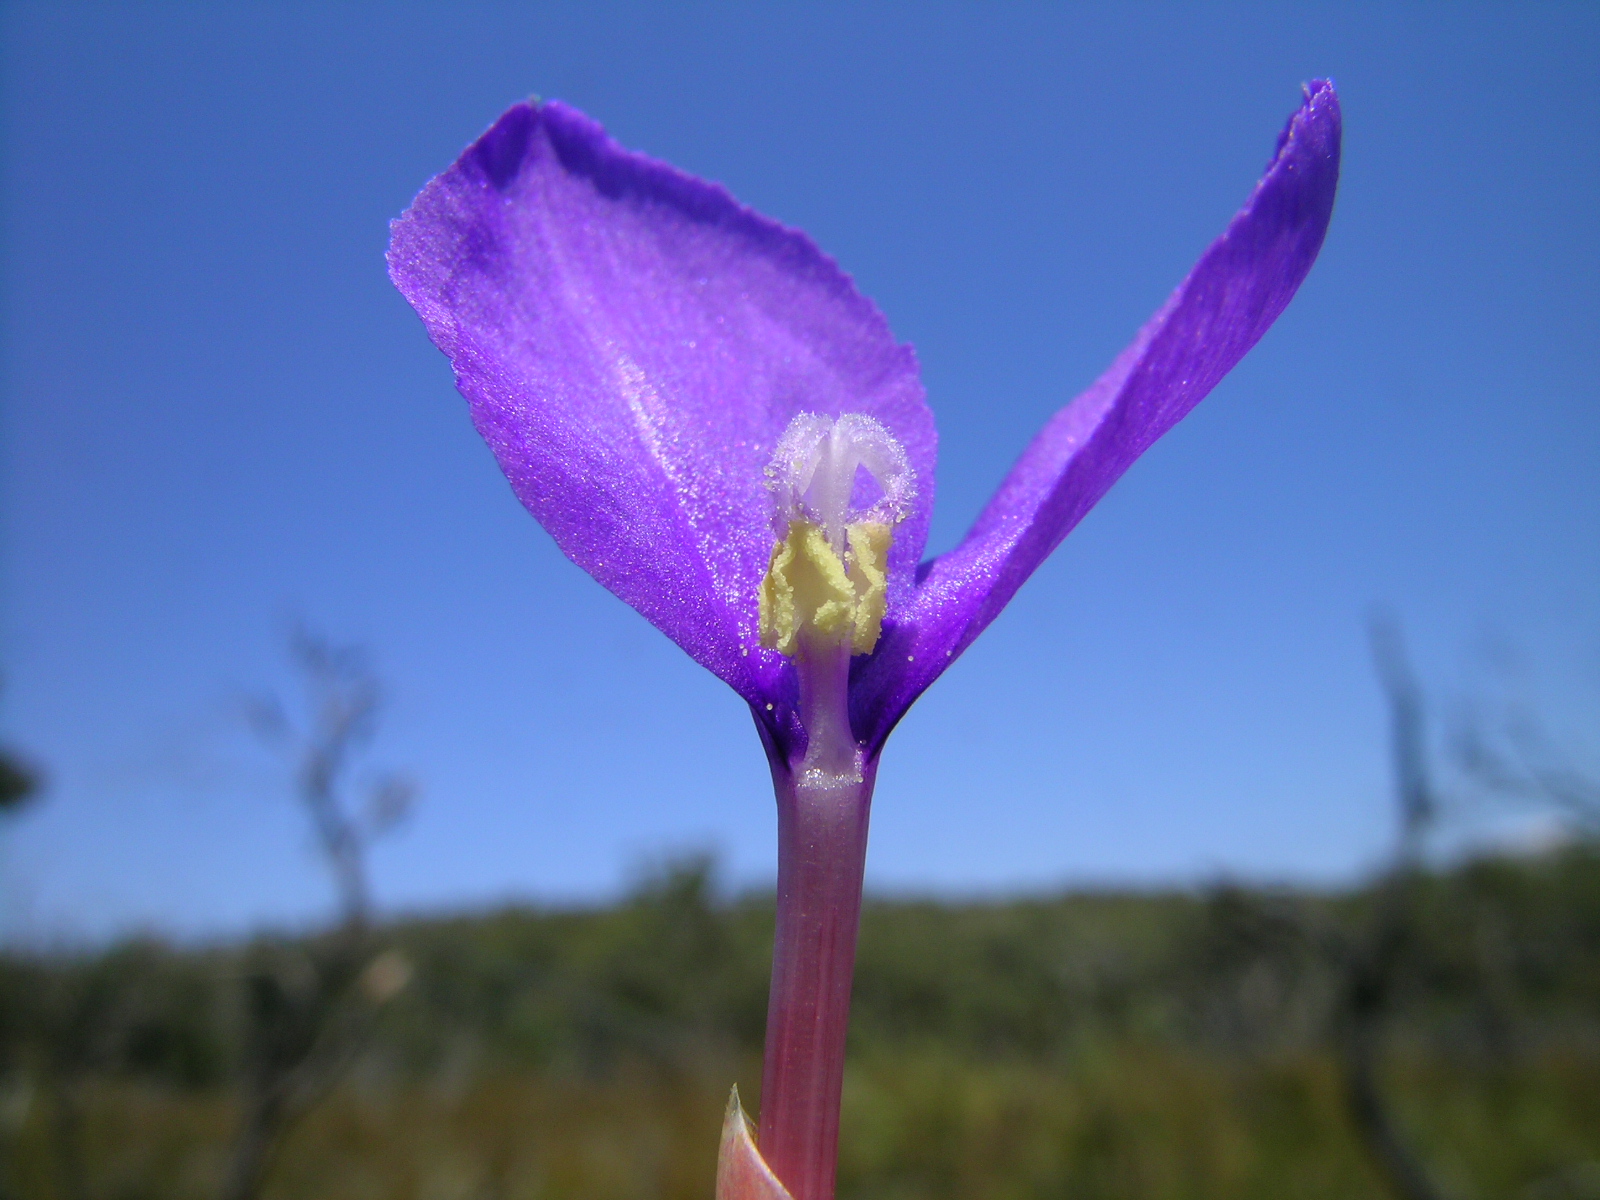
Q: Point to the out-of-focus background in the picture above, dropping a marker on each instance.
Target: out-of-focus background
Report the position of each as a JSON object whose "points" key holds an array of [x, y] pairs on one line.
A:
{"points": [[354, 843]]}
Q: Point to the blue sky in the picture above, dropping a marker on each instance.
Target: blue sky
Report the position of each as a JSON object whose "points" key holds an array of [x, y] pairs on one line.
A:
{"points": [[219, 418]]}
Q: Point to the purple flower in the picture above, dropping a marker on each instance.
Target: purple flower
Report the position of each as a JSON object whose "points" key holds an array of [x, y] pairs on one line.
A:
{"points": [[706, 415]]}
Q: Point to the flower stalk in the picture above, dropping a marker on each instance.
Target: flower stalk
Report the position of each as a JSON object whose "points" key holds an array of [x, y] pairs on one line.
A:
{"points": [[822, 851]]}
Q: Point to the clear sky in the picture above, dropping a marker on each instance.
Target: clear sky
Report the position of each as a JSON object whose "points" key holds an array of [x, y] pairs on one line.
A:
{"points": [[219, 417]]}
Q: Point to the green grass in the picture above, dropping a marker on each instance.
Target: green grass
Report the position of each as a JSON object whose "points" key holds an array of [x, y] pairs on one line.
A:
{"points": [[1123, 1122]]}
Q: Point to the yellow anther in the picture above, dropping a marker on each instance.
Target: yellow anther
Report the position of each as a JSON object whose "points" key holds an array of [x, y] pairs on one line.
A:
{"points": [[810, 594], [869, 557]]}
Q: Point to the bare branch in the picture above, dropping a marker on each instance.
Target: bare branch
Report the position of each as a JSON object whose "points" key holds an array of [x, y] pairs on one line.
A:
{"points": [[309, 1017], [1372, 960], [1514, 756], [1407, 733]]}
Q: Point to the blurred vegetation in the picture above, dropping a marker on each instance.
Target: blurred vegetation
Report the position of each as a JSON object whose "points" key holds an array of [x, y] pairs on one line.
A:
{"points": [[19, 782], [1089, 1045]]}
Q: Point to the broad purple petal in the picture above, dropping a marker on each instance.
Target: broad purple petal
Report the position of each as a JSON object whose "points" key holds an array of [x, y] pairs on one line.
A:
{"points": [[632, 342], [1232, 296]]}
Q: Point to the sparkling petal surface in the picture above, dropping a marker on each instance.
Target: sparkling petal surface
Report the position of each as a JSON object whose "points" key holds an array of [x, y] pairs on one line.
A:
{"points": [[632, 342], [1232, 296]]}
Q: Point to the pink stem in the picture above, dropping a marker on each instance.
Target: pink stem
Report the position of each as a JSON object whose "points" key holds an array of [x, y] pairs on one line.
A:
{"points": [[822, 850]]}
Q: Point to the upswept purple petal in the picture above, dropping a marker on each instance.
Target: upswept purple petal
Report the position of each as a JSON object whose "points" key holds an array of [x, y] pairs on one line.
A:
{"points": [[1232, 296], [632, 342]]}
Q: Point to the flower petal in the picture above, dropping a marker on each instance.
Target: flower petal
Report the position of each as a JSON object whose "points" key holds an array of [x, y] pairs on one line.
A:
{"points": [[1235, 292], [632, 342]]}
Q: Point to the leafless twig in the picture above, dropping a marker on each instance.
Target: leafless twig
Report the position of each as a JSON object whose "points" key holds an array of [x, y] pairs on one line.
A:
{"points": [[1372, 960], [307, 1013]]}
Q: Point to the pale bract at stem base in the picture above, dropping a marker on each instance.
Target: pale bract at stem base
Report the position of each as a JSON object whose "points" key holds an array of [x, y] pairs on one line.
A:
{"points": [[742, 1174]]}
